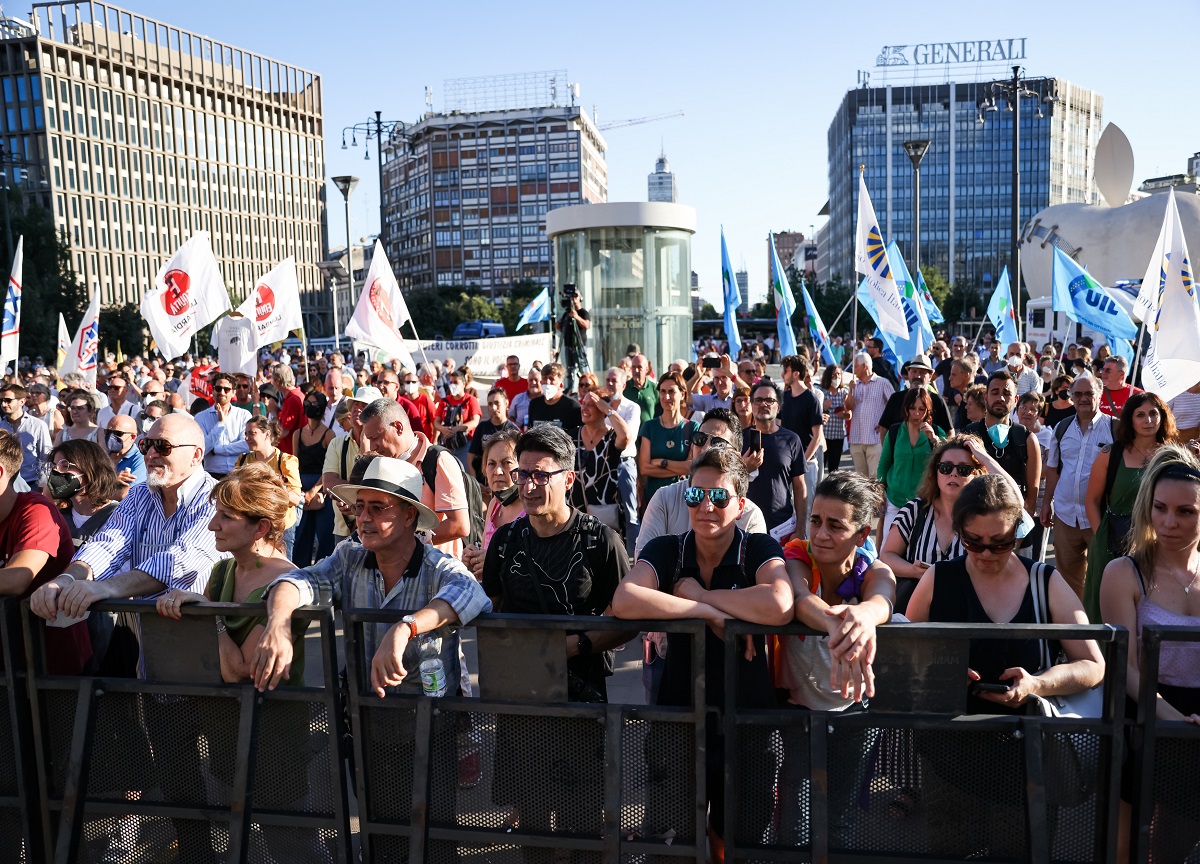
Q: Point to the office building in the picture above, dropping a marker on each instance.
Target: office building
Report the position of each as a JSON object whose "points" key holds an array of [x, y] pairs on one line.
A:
{"points": [[466, 193], [787, 244], [1194, 164], [966, 175], [137, 134], [661, 184], [821, 264], [743, 282]]}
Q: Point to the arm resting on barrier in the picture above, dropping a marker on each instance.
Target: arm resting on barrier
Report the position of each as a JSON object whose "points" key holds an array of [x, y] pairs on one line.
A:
{"points": [[78, 596], [272, 658], [768, 602], [601, 640], [387, 666], [638, 596], [21, 569]]}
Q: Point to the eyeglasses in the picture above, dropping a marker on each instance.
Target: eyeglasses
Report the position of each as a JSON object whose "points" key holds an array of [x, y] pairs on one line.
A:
{"points": [[700, 439], [118, 433], [243, 386], [62, 466], [539, 478], [116, 387], [161, 445], [693, 496], [1090, 394], [765, 400], [948, 468], [979, 547], [373, 509], [9, 400]]}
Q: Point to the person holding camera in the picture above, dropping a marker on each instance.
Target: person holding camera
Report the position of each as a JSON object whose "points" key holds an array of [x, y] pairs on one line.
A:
{"points": [[573, 325]]}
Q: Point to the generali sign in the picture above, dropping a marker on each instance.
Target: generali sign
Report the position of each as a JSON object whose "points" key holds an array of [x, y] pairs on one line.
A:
{"points": [[945, 53]]}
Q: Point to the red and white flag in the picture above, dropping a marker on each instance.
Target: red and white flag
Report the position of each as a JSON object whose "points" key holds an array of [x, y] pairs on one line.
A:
{"points": [[274, 305], [381, 310], [188, 294], [10, 332], [84, 353]]}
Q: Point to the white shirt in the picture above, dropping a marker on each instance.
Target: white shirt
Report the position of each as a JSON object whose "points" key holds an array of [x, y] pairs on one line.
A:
{"points": [[234, 338], [631, 413], [129, 409], [224, 440], [1076, 454]]}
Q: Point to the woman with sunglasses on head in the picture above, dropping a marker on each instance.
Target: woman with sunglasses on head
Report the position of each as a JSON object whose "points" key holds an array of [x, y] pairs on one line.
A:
{"points": [[1154, 585], [663, 441], [991, 584], [742, 406], [262, 435], [601, 439], [1145, 425], [499, 462]]}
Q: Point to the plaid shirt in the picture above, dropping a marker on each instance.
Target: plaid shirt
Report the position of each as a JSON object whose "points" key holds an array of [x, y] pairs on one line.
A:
{"points": [[869, 401], [350, 579], [835, 426]]}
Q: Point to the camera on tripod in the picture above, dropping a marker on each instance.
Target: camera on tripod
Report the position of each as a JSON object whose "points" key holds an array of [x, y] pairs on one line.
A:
{"points": [[569, 292]]}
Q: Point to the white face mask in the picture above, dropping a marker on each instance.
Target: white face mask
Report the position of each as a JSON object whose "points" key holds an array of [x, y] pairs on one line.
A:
{"points": [[550, 392], [411, 387], [456, 389]]}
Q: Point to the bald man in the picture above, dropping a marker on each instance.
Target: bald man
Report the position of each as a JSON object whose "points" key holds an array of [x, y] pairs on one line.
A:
{"points": [[120, 438]]}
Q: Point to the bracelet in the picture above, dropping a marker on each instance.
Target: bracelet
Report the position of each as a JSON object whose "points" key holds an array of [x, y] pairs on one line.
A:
{"points": [[220, 626]]}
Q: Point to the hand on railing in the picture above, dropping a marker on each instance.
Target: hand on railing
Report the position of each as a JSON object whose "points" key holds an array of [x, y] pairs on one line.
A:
{"points": [[272, 659], [387, 666], [852, 643], [169, 604]]}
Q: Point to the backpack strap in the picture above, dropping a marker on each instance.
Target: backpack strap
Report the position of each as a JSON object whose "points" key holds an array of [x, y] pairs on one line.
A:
{"points": [[679, 558], [429, 464], [1060, 431], [1039, 577], [893, 434], [345, 452]]}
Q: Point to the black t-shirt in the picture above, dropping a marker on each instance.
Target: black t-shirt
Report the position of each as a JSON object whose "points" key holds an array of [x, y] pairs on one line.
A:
{"points": [[1056, 415], [800, 414], [574, 336], [771, 487], [942, 369], [1015, 454], [755, 688], [482, 431], [565, 413], [884, 369], [893, 412], [573, 579]]}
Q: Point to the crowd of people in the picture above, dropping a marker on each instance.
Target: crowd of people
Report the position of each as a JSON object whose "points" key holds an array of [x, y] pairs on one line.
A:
{"points": [[843, 496]]}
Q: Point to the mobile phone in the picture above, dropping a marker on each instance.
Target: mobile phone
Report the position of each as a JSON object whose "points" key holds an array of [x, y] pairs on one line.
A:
{"points": [[839, 410], [982, 687], [752, 439], [338, 498], [712, 362]]}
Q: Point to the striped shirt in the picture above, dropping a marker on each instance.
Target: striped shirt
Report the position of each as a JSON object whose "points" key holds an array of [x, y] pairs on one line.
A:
{"points": [[177, 550], [870, 399], [835, 426], [1186, 409], [350, 578], [926, 547]]}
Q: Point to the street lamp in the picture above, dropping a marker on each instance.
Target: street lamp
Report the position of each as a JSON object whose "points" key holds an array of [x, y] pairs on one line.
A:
{"points": [[381, 130], [916, 152], [345, 185], [1012, 91]]}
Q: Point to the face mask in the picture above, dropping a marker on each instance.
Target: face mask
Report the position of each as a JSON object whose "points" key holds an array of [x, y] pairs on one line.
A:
{"points": [[63, 486], [1063, 395], [411, 387], [550, 392], [999, 435], [312, 410], [508, 496], [456, 389], [114, 443]]}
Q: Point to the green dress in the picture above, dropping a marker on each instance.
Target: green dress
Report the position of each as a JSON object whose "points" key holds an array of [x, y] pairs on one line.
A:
{"points": [[1120, 501]]}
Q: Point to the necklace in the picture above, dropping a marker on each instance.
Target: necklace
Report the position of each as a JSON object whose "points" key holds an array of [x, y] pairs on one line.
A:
{"points": [[1187, 589], [1145, 456]]}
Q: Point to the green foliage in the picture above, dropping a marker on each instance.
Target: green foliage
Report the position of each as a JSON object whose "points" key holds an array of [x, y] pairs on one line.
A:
{"points": [[437, 311], [937, 285], [124, 327], [709, 312], [50, 285]]}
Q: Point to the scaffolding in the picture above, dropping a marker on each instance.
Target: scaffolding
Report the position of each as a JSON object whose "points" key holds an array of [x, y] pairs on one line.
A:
{"points": [[508, 92]]}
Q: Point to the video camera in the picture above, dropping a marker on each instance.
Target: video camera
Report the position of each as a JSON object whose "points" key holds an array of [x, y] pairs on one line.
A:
{"points": [[569, 292]]}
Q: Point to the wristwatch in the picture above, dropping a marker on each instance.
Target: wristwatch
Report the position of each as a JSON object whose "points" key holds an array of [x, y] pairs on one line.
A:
{"points": [[412, 625], [662, 464], [585, 644]]}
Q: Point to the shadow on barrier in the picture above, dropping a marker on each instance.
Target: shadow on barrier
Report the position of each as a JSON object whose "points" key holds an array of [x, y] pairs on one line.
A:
{"points": [[823, 786], [181, 766]]}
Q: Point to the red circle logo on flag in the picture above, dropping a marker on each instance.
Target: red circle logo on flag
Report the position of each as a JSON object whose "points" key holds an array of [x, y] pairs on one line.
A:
{"points": [[381, 303], [265, 304], [175, 298]]}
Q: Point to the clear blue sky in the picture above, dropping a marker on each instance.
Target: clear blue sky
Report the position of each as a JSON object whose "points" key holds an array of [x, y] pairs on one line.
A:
{"points": [[758, 83]]}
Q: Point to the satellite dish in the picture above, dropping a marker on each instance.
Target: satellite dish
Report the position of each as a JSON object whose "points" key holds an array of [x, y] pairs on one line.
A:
{"points": [[1114, 166]]}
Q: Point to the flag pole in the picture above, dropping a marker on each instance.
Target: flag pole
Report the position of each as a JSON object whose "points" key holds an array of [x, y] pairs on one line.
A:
{"points": [[833, 326], [413, 325], [1137, 351]]}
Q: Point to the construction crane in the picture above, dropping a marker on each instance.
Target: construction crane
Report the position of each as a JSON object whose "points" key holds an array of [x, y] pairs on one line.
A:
{"points": [[635, 121]]}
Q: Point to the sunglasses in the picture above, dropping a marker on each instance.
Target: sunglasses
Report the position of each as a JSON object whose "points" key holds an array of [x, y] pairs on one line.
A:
{"points": [[539, 478], [161, 445], [700, 439], [217, 389], [948, 468], [979, 547], [693, 496]]}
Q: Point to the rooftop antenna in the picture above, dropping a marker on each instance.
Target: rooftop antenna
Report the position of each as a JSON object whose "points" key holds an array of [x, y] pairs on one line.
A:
{"points": [[429, 98], [595, 115]]}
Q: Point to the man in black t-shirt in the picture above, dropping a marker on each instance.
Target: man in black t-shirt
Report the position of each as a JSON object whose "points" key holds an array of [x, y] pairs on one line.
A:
{"points": [[554, 406], [1020, 455], [497, 402], [573, 325], [775, 459]]}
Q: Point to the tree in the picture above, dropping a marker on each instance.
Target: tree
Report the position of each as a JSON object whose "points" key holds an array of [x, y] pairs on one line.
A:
{"points": [[50, 285], [123, 327], [519, 295], [708, 312], [937, 285]]}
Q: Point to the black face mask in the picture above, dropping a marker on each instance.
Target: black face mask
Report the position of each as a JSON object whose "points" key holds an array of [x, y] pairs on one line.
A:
{"points": [[1063, 395], [509, 495], [312, 410], [63, 486]]}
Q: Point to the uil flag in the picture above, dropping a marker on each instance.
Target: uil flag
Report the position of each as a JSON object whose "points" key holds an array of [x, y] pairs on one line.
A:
{"points": [[1000, 312], [537, 310], [188, 294], [732, 299], [932, 312], [785, 304], [84, 352], [381, 310], [816, 327], [10, 335], [871, 260], [64, 342], [1085, 301], [1172, 315], [920, 335], [274, 304]]}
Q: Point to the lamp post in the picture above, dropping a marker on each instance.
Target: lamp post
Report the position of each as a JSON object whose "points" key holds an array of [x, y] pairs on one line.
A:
{"points": [[380, 130], [916, 152], [346, 186]]}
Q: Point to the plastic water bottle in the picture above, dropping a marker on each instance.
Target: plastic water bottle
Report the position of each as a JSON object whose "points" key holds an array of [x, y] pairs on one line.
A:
{"points": [[433, 671]]}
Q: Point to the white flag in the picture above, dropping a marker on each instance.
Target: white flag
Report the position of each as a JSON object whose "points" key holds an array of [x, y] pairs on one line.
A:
{"points": [[381, 310], [871, 260], [1173, 359], [10, 333], [188, 294], [64, 342], [274, 304], [84, 353]]}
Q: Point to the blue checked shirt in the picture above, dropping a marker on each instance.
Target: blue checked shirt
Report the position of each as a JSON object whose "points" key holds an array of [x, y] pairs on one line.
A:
{"points": [[178, 551], [350, 579]]}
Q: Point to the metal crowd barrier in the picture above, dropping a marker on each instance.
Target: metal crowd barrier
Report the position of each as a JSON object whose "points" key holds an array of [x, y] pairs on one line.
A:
{"points": [[190, 761], [20, 818]]}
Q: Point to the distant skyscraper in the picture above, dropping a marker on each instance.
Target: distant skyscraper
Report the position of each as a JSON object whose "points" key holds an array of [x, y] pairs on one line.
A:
{"points": [[661, 183], [743, 282], [788, 244]]}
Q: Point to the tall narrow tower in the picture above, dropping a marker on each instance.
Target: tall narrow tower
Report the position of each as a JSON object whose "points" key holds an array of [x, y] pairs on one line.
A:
{"points": [[661, 183]]}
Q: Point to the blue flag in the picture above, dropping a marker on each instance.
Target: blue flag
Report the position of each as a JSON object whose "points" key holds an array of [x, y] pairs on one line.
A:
{"points": [[733, 299], [1085, 301], [914, 310], [932, 312], [537, 310], [888, 353], [1000, 312], [785, 304], [816, 327]]}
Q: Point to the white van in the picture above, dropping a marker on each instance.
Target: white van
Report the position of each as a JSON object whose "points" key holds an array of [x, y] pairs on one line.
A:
{"points": [[1042, 322]]}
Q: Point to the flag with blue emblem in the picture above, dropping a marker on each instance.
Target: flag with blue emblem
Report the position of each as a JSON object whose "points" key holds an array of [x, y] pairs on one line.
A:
{"points": [[1085, 301], [732, 298], [920, 335], [816, 327], [871, 260], [85, 348], [1000, 312], [10, 332], [932, 312], [538, 310], [1167, 303], [785, 304]]}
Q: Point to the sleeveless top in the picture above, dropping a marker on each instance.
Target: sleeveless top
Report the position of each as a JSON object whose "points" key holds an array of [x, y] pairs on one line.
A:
{"points": [[311, 456], [598, 468], [1178, 662], [954, 600]]}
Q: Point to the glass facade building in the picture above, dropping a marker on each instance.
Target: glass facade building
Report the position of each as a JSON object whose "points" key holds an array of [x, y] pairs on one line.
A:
{"points": [[966, 175], [137, 134], [632, 263]]}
